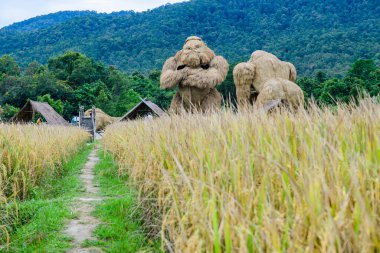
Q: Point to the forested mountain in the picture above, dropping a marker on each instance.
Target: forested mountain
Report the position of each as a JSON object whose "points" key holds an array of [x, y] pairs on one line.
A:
{"points": [[325, 35], [46, 21]]}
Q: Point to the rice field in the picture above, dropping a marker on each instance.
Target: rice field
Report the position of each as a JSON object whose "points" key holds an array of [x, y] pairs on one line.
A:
{"points": [[252, 182], [30, 153]]}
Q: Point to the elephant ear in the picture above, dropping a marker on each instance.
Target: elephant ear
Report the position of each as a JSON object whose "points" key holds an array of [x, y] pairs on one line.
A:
{"points": [[292, 72]]}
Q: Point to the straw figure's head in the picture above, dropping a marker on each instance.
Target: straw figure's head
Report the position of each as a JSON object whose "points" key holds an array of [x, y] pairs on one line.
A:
{"points": [[195, 53]]}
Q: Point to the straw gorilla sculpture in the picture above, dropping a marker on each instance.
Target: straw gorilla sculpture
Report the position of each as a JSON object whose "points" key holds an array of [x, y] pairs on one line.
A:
{"points": [[196, 70], [264, 78]]}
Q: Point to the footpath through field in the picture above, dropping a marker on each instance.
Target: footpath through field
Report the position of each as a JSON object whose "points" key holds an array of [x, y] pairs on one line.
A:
{"points": [[82, 227]]}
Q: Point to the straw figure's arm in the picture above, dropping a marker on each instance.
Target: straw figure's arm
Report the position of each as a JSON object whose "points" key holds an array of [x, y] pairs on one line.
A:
{"points": [[208, 75], [171, 74]]}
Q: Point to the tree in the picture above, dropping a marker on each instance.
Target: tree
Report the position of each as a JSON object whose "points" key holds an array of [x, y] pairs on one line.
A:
{"points": [[374, 87], [126, 102], [103, 101], [8, 66], [34, 68], [362, 69], [334, 90], [7, 111], [63, 65], [320, 76], [86, 70], [341, 90], [56, 104], [77, 69], [16, 90], [312, 86]]}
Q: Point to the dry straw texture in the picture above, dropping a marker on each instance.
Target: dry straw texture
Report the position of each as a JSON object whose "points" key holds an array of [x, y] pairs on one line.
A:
{"points": [[196, 70], [251, 182], [30, 153], [102, 119], [270, 77]]}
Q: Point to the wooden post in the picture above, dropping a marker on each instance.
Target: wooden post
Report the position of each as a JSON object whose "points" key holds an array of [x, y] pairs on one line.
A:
{"points": [[88, 123], [81, 115], [93, 115]]}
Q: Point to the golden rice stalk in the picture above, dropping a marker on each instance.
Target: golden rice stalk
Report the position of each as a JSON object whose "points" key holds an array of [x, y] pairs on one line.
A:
{"points": [[252, 182], [29, 153]]}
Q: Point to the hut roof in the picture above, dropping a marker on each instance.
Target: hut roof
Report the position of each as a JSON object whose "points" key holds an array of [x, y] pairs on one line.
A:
{"points": [[31, 107], [142, 109]]}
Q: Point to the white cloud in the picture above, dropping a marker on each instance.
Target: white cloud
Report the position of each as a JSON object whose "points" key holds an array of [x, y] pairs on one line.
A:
{"points": [[18, 10]]}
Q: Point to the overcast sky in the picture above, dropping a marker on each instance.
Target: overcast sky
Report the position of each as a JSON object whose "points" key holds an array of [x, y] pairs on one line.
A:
{"points": [[18, 10]]}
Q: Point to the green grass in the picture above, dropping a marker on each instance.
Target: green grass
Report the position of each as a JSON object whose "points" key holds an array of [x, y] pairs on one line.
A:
{"points": [[121, 229], [39, 224]]}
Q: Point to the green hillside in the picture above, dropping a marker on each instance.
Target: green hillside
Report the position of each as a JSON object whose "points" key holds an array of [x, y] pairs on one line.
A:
{"points": [[46, 21], [327, 35]]}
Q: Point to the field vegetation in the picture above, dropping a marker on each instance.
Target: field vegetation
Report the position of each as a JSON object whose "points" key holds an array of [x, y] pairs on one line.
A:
{"points": [[32, 159], [30, 154], [253, 182], [121, 229]]}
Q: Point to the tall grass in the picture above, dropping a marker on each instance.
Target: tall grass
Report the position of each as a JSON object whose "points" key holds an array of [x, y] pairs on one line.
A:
{"points": [[252, 182], [30, 153]]}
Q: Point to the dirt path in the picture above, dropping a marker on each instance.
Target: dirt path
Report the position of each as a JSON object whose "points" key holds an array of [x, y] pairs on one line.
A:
{"points": [[81, 228]]}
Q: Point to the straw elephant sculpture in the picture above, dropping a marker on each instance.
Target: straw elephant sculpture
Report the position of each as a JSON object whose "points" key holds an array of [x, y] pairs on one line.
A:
{"points": [[265, 78], [196, 70]]}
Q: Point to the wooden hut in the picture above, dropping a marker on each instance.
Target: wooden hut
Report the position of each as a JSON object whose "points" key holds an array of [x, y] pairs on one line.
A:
{"points": [[144, 109], [27, 113]]}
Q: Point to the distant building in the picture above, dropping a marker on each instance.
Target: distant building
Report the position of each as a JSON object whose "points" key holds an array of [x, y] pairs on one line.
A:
{"points": [[31, 108], [144, 109]]}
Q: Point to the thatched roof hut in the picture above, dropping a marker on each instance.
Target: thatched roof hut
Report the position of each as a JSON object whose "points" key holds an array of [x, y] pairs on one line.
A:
{"points": [[27, 113], [144, 109]]}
